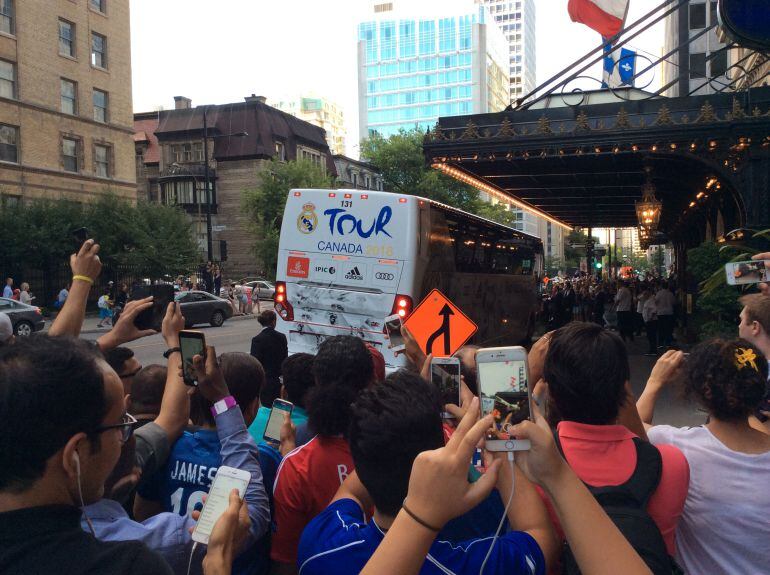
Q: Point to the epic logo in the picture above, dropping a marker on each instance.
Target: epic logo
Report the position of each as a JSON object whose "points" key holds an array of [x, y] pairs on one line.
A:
{"points": [[354, 225], [331, 271]]}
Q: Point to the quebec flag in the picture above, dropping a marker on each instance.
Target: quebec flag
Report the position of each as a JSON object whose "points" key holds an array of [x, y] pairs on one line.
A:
{"points": [[619, 67]]}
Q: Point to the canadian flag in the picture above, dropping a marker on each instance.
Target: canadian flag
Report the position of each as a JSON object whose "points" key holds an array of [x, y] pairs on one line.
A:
{"points": [[605, 16]]}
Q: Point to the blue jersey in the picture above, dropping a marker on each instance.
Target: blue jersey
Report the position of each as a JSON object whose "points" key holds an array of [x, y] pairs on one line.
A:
{"points": [[189, 471], [340, 541]]}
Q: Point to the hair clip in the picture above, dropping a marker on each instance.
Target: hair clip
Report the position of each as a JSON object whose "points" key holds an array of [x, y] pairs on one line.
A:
{"points": [[745, 357]]}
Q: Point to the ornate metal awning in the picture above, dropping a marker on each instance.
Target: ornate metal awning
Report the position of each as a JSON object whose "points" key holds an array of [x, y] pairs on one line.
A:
{"points": [[585, 165]]}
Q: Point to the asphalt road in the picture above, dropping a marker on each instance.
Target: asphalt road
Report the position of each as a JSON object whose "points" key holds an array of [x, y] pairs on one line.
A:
{"points": [[232, 336], [235, 335]]}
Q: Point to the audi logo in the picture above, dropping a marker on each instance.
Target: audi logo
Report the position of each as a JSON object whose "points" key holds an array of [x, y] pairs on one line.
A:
{"points": [[384, 276]]}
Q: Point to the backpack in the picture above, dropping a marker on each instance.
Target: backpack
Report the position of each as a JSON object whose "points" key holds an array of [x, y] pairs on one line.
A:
{"points": [[626, 506]]}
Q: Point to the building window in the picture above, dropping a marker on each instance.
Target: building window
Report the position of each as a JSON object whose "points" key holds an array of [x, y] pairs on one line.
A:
{"points": [[66, 38], [367, 182], [697, 16], [280, 151], [6, 16], [311, 155], [69, 152], [69, 99], [697, 66], [102, 160], [7, 79], [101, 101], [98, 50], [98, 5], [9, 143], [355, 179], [718, 63]]}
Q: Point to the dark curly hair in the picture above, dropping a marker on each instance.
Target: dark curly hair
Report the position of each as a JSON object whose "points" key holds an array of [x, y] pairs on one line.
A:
{"points": [[342, 368], [714, 379]]}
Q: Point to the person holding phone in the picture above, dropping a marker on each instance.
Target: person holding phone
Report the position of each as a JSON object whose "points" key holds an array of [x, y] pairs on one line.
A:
{"points": [[724, 527], [439, 490], [393, 422], [584, 398], [221, 409]]}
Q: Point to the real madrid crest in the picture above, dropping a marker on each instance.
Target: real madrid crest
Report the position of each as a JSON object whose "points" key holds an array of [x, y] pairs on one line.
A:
{"points": [[307, 220]]}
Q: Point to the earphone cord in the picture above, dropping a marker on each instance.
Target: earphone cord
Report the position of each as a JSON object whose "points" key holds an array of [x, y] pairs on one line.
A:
{"points": [[83, 505], [502, 519], [192, 554]]}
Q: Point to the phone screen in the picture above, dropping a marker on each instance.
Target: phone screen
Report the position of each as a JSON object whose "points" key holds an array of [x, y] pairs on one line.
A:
{"points": [[191, 345], [742, 273], [446, 377], [394, 332], [503, 387], [216, 503], [275, 421]]}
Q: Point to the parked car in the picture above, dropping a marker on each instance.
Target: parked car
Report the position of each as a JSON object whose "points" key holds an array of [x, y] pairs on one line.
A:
{"points": [[202, 307], [266, 289], [26, 319]]}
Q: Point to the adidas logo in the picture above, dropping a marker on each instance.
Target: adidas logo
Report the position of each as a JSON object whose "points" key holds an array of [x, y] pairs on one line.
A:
{"points": [[354, 274]]}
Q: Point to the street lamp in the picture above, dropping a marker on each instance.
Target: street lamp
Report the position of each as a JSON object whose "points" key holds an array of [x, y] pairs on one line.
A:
{"points": [[206, 178], [648, 210]]}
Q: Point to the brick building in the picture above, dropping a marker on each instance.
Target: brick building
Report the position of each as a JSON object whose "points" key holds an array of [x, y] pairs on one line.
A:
{"points": [[242, 138], [65, 99]]}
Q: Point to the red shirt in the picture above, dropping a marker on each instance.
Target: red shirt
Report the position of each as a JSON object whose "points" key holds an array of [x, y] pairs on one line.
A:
{"points": [[306, 481], [602, 455]]}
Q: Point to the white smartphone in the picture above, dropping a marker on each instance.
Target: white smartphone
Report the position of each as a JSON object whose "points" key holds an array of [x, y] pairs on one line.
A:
{"points": [[275, 421], [445, 375], [751, 272], [393, 328], [226, 479], [503, 379]]}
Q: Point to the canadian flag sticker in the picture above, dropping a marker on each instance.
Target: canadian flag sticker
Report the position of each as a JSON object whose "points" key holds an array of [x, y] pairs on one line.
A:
{"points": [[298, 267]]}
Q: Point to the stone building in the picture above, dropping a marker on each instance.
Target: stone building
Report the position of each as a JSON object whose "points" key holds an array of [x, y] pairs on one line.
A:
{"points": [[65, 100], [356, 174], [242, 138]]}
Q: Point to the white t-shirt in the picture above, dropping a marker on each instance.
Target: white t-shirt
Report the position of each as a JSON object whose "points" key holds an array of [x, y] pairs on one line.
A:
{"points": [[725, 526], [665, 301], [624, 299]]}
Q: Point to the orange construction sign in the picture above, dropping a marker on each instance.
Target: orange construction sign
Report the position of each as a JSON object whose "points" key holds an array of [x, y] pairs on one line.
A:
{"points": [[438, 325]]}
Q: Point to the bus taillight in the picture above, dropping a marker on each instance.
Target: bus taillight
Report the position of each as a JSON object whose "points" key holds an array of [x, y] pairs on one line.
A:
{"points": [[281, 303], [402, 306]]}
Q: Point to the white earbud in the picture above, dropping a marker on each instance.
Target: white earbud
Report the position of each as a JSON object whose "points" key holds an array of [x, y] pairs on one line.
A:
{"points": [[76, 461]]}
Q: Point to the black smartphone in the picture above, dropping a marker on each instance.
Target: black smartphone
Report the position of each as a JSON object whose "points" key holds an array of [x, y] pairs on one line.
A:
{"points": [[192, 343], [152, 317], [80, 235]]}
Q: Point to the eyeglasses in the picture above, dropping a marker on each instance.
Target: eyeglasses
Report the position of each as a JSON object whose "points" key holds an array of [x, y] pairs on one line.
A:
{"points": [[127, 425]]}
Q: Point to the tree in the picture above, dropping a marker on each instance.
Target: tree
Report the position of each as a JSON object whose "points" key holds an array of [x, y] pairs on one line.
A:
{"points": [[572, 255], [264, 204], [154, 239], [400, 160]]}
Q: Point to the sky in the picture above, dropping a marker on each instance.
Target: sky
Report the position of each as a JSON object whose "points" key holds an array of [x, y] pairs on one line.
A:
{"points": [[220, 52]]}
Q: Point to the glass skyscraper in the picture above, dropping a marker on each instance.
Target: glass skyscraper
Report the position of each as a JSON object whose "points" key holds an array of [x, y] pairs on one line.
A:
{"points": [[516, 18], [418, 61]]}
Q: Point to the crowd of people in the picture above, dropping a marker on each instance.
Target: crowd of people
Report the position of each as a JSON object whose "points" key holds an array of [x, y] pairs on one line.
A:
{"points": [[629, 306], [105, 463]]}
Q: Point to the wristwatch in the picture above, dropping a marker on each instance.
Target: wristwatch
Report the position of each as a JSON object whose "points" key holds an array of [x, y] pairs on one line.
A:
{"points": [[223, 405], [171, 350]]}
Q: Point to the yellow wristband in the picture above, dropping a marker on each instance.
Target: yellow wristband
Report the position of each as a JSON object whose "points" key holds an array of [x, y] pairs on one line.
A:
{"points": [[83, 278]]}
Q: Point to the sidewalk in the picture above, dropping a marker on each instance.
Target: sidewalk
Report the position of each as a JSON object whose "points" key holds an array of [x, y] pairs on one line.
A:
{"points": [[91, 321]]}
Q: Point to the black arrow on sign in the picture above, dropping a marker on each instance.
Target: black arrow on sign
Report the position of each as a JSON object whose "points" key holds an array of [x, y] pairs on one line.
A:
{"points": [[446, 311]]}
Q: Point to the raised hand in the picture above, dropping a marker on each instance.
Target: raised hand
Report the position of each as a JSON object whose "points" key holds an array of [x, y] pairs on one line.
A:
{"points": [[86, 262], [438, 486]]}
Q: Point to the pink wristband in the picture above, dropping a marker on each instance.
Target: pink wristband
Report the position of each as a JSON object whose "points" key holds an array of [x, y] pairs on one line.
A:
{"points": [[223, 405]]}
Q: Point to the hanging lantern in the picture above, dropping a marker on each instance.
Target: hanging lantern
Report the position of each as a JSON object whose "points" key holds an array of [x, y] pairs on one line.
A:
{"points": [[649, 208]]}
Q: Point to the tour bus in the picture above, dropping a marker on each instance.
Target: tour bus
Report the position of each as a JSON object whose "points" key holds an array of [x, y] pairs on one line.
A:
{"points": [[347, 259]]}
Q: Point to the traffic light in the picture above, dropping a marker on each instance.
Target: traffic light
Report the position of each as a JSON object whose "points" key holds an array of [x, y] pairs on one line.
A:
{"points": [[598, 265]]}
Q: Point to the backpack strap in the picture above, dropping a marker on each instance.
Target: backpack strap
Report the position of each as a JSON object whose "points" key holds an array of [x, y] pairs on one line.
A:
{"points": [[643, 481]]}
